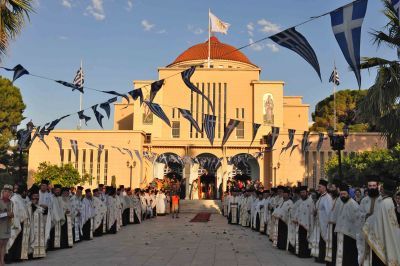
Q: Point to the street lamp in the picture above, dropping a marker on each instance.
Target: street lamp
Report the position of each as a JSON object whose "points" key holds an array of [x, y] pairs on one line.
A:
{"points": [[24, 139], [130, 166], [338, 142]]}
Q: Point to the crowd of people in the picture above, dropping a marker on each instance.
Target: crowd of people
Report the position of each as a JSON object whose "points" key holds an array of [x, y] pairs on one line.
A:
{"points": [[336, 224], [47, 217]]}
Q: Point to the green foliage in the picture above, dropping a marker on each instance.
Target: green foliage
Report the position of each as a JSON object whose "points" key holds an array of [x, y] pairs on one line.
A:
{"points": [[12, 19], [356, 166], [65, 175], [11, 108], [381, 106], [346, 103]]}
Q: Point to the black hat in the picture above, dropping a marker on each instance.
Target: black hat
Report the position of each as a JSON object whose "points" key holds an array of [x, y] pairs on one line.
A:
{"points": [[79, 188], [344, 187], [297, 190], [88, 190], [336, 182], [286, 190], [373, 178], [65, 189], [121, 186], [34, 189], [95, 190], [281, 188], [128, 189], [57, 186], [323, 182], [45, 182], [266, 191], [274, 189], [390, 185], [303, 188], [258, 193]]}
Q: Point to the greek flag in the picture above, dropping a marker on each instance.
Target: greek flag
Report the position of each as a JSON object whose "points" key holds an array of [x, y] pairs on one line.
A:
{"points": [[117, 94], [74, 146], [272, 137], [255, 130], [158, 111], [186, 75], [346, 24], [296, 42], [79, 79], [98, 115], [320, 141], [54, 123], [304, 142], [106, 106], [136, 94], [232, 124], [19, 71], [188, 115], [291, 133], [209, 126], [82, 116], [155, 87], [59, 142], [70, 85], [334, 78]]}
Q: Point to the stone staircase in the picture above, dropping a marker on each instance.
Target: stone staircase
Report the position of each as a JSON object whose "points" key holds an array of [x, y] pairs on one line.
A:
{"points": [[196, 206]]}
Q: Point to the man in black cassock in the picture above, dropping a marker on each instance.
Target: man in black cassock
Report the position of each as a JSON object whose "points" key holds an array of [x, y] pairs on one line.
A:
{"points": [[282, 215]]}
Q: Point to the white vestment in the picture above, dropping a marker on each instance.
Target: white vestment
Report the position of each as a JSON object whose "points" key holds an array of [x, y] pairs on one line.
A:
{"points": [[37, 243], [292, 226], [281, 213], [160, 203], [88, 213], [323, 206], [76, 204], [100, 212], [304, 217], [333, 215]]}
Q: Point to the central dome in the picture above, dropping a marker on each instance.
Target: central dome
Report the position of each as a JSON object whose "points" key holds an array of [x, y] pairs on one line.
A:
{"points": [[219, 50]]}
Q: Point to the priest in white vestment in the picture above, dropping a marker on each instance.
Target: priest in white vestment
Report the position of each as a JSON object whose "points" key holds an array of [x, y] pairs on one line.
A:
{"points": [[112, 210], [76, 204], [233, 208], [57, 219], [323, 206], [281, 215], [160, 203], [67, 239], [87, 215], [292, 221], [100, 210], [37, 242], [194, 190], [304, 221]]}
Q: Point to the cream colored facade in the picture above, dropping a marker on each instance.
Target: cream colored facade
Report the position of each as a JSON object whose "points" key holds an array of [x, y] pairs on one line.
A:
{"points": [[236, 91]]}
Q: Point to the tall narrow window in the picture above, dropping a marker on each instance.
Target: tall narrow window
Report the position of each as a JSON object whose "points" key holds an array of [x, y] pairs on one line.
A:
{"points": [[314, 170], [176, 129], [62, 156], [225, 103], [191, 110], [240, 130], [105, 166], [322, 164], [219, 110], [173, 112], [91, 167], [69, 156], [237, 112], [307, 164], [202, 108], [98, 168], [76, 159], [83, 161], [197, 111], [208, 96]]}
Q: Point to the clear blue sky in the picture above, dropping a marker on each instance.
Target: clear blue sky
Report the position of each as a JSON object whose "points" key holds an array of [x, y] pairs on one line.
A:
{"points": [[121, 40]]}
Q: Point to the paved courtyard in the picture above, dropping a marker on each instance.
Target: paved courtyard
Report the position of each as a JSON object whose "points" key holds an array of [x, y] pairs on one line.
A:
{"points": [[167, 241]]}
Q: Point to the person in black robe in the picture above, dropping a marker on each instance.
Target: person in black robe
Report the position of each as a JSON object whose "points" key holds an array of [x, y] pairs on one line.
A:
{"points": [[260, 198], [304, 250], [397, 209], [64, 227], [111, 192], [282, 226], [87, 227]]}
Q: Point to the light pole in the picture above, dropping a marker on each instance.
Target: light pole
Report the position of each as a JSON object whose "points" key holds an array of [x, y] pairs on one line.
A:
{"points": [[338, 142], [130, 166], [24, 139]]}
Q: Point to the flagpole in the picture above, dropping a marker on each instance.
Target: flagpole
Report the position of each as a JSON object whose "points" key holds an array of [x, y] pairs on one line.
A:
{"points": [[80, 97], [209, 37], [334, 98]]}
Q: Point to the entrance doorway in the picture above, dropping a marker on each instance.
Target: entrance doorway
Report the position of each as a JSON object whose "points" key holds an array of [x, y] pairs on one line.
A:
{"points": [[208, 182]]}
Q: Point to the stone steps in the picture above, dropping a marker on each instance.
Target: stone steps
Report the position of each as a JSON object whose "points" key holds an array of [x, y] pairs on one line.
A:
{"points": [[196, 206]]}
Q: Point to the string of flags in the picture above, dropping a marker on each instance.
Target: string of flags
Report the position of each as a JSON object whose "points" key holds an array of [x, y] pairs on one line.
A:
{"points": [[346, 23]]}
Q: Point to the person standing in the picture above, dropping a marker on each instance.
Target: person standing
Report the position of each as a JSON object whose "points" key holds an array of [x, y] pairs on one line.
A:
{"points": [[57, 219], [37, 242], [175, 205], [304, 221], [76, 203], [6, 215], [88, 212], [99, 220], [322, 210], [160, 203], [347, 227], [281, 215], [67, 238], [397, 200]]}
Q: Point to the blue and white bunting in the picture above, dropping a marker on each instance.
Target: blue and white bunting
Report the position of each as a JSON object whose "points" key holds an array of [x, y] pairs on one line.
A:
{"points": [[19, 71], [209, 126], [70, 85], [155, 87], [296, 42], [188, 115], [272, 137], [320, 141], [59, 142], [98, 115], [117, 94], [54, 123], [137, 94], [346, 24], [304, 142], [158, 111], [186, 75], [74, 146], [293, 148], [255, 130], [138, 156], [82, 116], [106, 106], [232, 124], [79, 79]]}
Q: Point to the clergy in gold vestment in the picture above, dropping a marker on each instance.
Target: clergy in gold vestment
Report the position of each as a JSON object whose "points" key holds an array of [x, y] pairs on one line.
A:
{"points": [[37, 242]]}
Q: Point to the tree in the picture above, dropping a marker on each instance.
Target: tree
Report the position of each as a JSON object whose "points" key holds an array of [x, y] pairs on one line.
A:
{"points": [[11, 109], [346, 104], [381, 104], [12, 19], [356, 166], [65, 175]]}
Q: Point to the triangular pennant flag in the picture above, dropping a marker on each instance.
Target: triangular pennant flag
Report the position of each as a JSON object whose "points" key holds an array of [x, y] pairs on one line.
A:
{"points": [[36, 134], [43, 131], [232, 124], [74, 146], [186, 75], [320, 141], [82, 116], [272, 137], [291, 133], [59, 141], [91, 144], [155, 87], [54, 123], [158, 111], [118, 148], [296, 42], [106, 106], [117, 94], [137, 94], [188, 115], [70, 85], [209, 126], [293, 148], [98, 115], [304, 141], [138, 155], [255, 130], [129, 152], [346, 24], [19, 71]]}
